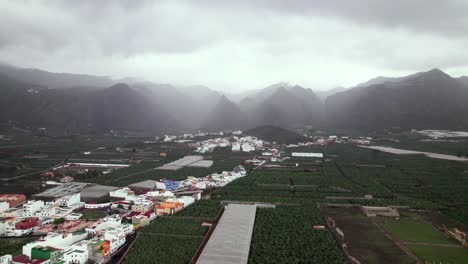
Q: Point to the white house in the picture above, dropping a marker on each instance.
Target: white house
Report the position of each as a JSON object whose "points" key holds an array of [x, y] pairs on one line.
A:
{"points": [[246, 147], [4, 206], [73, 217], [121, 193], [47, 211], [55, 240], [6, 259], [31, 207], [236, 147], [71, 201]]}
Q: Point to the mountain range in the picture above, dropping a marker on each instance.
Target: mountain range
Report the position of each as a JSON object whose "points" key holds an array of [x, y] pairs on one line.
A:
{"points": [[37, 98]]}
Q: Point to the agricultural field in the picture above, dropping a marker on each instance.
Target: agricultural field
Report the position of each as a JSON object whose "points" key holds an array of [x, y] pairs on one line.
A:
{"points": [[164, 249], [169, 239], [424, 240], [285, 235], [14, 245], [438, 254], [364, 240], [412, 230], [203, 209]]}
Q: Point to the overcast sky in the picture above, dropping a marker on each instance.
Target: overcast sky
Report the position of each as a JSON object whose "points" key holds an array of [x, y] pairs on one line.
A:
{"points": [[235, 45]]}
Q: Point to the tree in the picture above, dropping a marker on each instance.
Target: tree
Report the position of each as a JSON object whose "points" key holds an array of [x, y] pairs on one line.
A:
{"points": [[58, 221]]}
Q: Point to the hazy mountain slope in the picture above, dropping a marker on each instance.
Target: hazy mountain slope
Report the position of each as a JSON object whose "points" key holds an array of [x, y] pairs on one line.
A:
{"points": [[225, 115], [285, 106], [324, 94], [54, 80], [275, 134], [116, 107], [121, 107], [463, 80], [425, 100], [188, 105]]}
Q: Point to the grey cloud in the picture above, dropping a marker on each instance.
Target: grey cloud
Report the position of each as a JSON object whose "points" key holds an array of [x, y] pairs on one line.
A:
{"points": [[230, 44], [440, 17]]}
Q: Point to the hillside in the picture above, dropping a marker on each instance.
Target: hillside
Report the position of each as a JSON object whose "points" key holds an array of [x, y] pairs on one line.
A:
{"points": [[52, 79], [225, 115], [288, 106], [275, 134], [431, 99], [117, 107]]}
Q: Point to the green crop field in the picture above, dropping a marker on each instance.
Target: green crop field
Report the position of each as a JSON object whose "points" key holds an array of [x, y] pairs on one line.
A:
{"points": [[409, 230], [167, 240], [365, 241], [440, 255], [150, 248], [204, 209], [286, 235]]}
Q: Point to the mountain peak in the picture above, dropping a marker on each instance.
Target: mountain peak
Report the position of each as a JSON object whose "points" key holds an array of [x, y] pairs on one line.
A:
{"points": [[119, 86], [437, 73]]}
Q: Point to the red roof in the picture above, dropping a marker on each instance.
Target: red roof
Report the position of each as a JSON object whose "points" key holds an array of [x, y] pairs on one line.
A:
{"points": [[148, 213], [27, 223], [132, 214], [25, 259]]}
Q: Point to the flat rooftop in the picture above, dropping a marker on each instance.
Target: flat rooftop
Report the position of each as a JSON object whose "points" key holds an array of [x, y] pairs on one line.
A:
{"points": [[62, 190], [97, 191], [230, 241], [202, 164], [180, 163]]}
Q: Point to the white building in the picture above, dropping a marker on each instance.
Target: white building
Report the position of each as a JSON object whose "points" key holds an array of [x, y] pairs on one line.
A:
{"points": [[116, 239], [3, 224], [307, 154], [61, 241], [247, 147], [76, 255], [31, 207], [10, 227], [142, 206], [4, 206], [73, 217], [112, 221], [121, 193], [236, 147], [185, 200], [6, 259], [48, 210], [71, 201]]}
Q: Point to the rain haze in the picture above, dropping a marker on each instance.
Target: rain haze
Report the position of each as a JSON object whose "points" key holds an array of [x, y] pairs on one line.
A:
{"points": [[234, 46]]}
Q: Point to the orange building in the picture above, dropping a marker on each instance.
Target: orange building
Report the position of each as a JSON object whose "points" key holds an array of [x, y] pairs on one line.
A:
{"points": [[168, 207]]}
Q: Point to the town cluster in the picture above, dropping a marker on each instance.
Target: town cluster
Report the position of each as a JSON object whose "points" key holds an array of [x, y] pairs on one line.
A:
{"points": [[65, 235]]}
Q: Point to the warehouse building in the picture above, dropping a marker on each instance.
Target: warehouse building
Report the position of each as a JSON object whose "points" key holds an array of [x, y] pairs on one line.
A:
{"points": [[307, 154], [230, 241], [146, 186]]}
